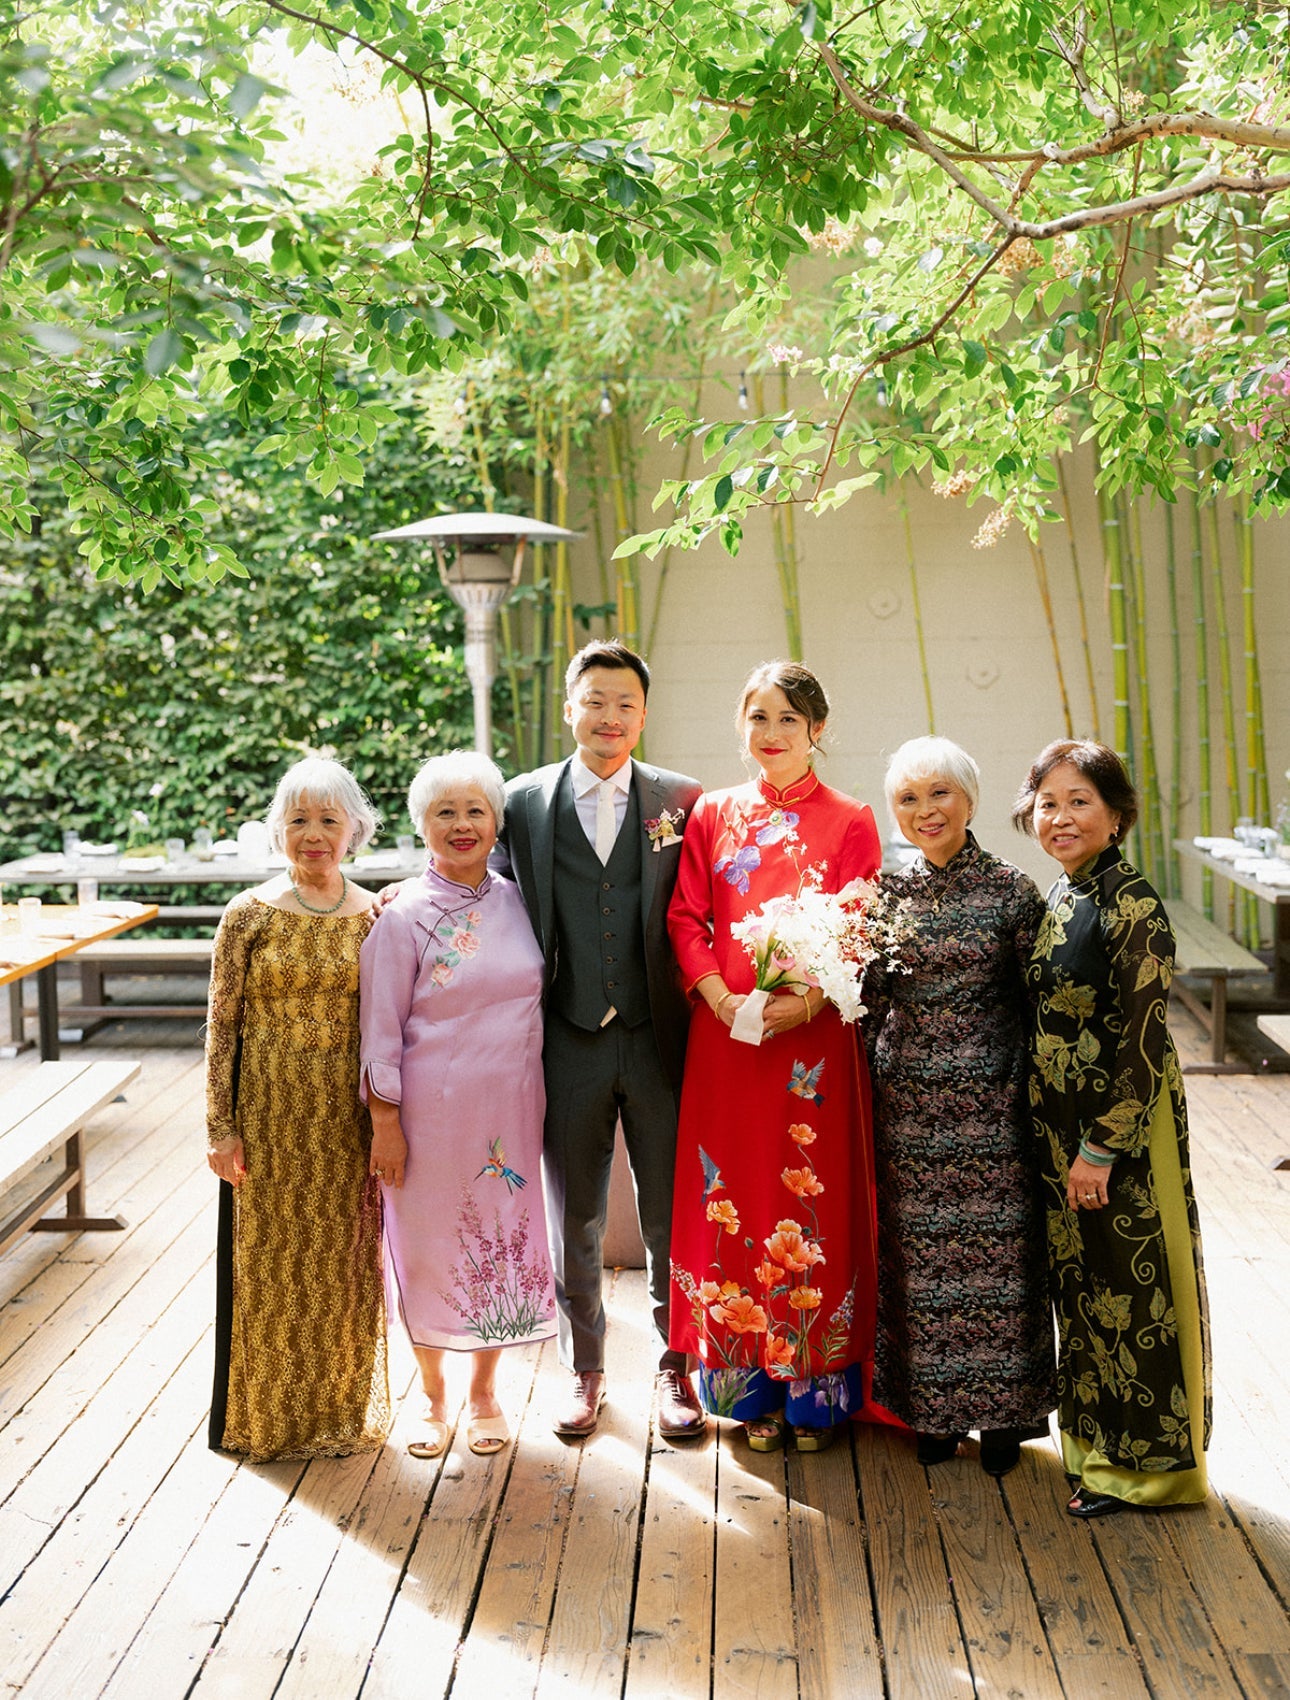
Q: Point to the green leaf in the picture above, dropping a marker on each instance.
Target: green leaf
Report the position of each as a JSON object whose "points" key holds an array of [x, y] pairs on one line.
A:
{"points": [[163, 351]]}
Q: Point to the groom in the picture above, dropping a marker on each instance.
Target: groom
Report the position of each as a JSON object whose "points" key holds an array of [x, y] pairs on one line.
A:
{"points": [[594, 844]]}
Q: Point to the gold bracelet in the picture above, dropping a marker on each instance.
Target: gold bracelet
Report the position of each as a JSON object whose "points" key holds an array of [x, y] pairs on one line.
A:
{"points": [[806, 1005], [716, 1008]]}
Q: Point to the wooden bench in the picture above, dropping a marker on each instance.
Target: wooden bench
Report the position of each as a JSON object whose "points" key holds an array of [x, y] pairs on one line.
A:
{"points": [[47, 1108], [1276, 1028], [136, 956], [1206, 952]]}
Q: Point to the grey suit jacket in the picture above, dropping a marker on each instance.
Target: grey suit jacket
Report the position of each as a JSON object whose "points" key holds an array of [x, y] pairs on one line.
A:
{"points": [[528, 840]]}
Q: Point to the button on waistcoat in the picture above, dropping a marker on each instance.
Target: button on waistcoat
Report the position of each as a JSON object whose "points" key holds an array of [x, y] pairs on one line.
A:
{"points": [[600, 951]]}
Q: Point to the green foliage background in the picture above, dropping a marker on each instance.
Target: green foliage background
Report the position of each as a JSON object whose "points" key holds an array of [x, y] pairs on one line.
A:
{"points": [[334, 643]]}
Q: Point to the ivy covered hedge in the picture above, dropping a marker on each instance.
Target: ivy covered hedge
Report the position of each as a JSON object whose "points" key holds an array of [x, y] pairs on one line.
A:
{"points": [[188, 705]]}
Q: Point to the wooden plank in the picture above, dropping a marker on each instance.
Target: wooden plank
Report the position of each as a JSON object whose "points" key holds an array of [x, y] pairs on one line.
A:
{"points": [[502, 1646], [997, 1610], [34, 1089], [837, 1645], [1080, 1617], [52, 1593], [1247, 1619], [28, 1141], [257, 1641], [590, 1631], [330, 1658], [418, 1645], [229, 1518], [1180, 1654], [1276, 1028], [1204, 948], [52, 1431], [671, 1647], [76, 1454], [51, 1377], [917, 1620], [754, 1647]]}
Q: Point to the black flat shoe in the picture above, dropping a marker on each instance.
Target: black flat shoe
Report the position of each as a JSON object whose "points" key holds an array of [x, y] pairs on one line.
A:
{"points": [[938, 1448], [1000, 1450], [1086, 1503]]}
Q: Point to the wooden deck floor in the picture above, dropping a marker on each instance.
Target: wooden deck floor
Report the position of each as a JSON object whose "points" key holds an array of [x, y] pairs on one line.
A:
{"points": [[135, 1562]]}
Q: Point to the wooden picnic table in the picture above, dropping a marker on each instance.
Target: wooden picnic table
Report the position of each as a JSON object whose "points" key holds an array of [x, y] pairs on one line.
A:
{"points": [[154, 876], [1278, 896], [23, 954]]}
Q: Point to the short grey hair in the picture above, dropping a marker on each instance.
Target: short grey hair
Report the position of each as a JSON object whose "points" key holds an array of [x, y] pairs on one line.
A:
{"points": [[933, 758], [454, 772], [317, 780]]}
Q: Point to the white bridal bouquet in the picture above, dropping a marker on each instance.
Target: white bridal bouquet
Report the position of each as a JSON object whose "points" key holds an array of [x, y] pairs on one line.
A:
{"points": [[817, 938]]}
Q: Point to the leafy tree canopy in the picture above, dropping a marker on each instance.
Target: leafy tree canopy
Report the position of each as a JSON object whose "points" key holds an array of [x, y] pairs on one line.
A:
{"points": [[1049, 221]]}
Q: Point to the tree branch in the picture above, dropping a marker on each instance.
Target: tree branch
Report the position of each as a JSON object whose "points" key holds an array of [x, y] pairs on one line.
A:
{"points": [[1213, 180]]}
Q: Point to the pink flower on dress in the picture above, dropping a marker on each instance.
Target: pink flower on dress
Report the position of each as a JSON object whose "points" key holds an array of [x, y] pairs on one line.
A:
{"points": [[464, 942], [441, 974]]}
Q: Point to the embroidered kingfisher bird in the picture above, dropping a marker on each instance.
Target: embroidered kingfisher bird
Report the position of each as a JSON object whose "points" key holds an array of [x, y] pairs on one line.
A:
{"points": [[805, 1080], [712, 1181], [496, 1165]]}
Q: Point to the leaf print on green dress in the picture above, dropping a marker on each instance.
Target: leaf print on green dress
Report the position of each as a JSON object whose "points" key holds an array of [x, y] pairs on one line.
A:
{"points": [[1133, 1380]]}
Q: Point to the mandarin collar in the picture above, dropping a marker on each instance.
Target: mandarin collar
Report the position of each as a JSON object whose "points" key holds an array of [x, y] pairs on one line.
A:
{"points": [[797, 792], [452, 889], [1089, 872], [967, 853]]}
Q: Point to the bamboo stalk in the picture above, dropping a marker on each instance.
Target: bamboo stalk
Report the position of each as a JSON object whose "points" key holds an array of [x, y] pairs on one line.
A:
{"points": [[1153, 836], [1046, 599], [1117, 610], [1204, 755], [1230, 767], [1256, 757], [1174, 809], [783, 539], [625, 575], [1080, 603]]}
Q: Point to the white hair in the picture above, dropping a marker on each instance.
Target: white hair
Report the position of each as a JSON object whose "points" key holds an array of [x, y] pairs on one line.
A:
{"points": [[454, 772], [933, 758], [317, 780]]}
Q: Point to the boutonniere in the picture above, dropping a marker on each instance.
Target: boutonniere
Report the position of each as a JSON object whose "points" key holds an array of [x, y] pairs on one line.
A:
{"points": [[665, 829]]}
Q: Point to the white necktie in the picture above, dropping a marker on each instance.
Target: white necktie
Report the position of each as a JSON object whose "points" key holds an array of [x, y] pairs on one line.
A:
{"points": [[606, 820]]}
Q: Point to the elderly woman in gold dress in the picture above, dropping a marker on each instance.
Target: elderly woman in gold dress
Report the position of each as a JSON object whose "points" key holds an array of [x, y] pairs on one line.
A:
{"points": [[300, 1366]]}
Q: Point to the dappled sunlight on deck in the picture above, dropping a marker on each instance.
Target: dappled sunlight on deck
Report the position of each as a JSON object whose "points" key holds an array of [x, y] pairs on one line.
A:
{"points": [[137, 1561]]}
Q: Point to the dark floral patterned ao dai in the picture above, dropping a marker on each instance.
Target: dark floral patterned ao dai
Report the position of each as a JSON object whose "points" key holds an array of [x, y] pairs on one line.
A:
{"points": [[965, 1337], [1133, 1374]]}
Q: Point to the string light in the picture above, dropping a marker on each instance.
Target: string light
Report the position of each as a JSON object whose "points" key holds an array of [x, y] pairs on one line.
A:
{"points": [[606, 400], [743, 394]]}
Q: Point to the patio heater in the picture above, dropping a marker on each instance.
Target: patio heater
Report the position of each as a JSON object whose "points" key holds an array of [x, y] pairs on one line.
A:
{"points": [[480, 559]]}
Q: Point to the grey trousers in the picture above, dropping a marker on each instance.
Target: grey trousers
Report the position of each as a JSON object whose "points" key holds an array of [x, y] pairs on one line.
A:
{"points": [[592, 1079]]}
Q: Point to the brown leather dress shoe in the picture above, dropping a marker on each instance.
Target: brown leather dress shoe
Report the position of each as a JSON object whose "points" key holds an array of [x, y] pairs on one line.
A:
{"points": [[680, 1415], [582, 1413]]}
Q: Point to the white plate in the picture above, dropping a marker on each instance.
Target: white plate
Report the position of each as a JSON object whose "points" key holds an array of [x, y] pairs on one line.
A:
{"points": [[98, 849], [44, 865], [224, 847], [142, 864]]}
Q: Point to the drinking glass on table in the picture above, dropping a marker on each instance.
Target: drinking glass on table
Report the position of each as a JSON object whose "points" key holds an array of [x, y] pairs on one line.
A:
{"points": [[29, 915], [72, 845], [87, 893], [202, 844], [174, 849]]}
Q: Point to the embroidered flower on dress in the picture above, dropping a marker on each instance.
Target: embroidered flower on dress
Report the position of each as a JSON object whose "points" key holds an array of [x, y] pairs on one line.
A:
{"points": [[736, 869], [721, 1210], [779, 829]]}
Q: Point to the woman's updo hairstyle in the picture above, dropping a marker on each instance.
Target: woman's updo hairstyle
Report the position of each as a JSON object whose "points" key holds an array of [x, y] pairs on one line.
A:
{"points": [[804, 691], [1103, 769]]}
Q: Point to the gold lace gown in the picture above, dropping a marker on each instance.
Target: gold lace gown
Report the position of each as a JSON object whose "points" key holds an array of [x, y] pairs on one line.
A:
{"points": [[300, 1324]]}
